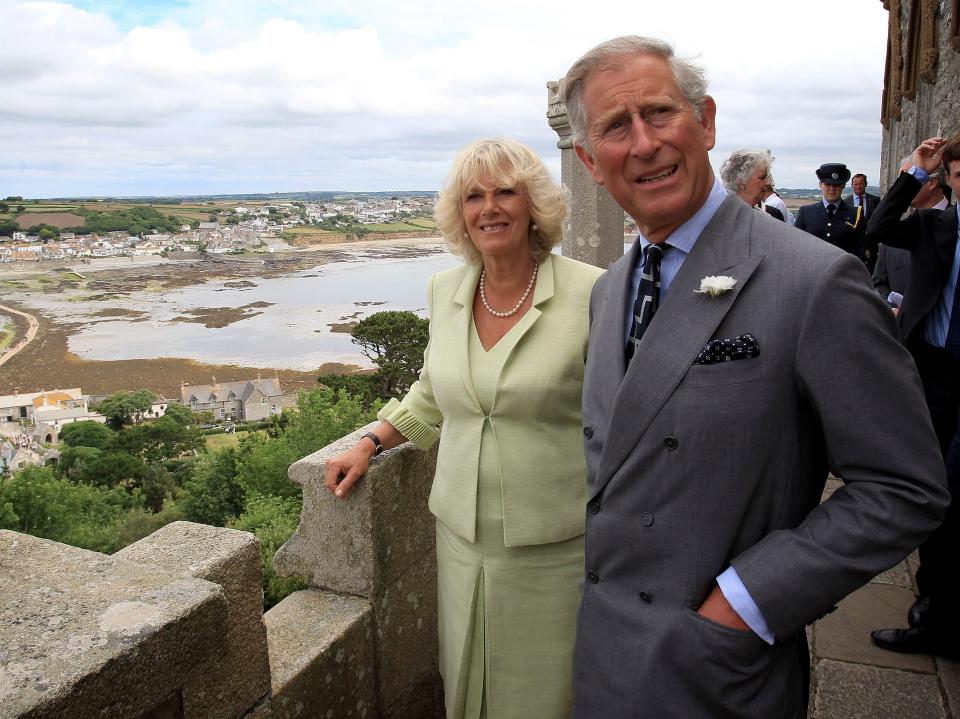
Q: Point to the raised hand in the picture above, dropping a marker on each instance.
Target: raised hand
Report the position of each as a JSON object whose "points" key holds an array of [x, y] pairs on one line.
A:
{"points": [[928, 153]]}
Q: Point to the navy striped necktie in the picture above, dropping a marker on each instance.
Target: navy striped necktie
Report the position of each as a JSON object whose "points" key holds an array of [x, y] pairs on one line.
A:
{"points": [[648, 297]]}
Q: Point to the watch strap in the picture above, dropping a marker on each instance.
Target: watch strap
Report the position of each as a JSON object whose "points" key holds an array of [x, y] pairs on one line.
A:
{"points": [[376, 442]]}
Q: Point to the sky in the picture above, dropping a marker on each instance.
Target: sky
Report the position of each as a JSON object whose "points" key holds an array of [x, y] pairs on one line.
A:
{"points": [[128, 98]]}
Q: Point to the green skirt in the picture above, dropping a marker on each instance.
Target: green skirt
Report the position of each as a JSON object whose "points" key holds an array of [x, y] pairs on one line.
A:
{"points": [[507, 617]]}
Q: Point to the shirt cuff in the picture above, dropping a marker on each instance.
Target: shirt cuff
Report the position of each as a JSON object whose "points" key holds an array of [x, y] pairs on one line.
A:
{"points": [[739, 598], [919, 173]]}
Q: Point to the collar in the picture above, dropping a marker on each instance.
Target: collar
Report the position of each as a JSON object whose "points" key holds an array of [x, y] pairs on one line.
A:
{"points": [[685, 236], [838, 204]]}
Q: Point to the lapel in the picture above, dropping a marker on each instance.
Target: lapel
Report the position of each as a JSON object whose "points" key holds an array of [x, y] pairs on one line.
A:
{"points": [[945, 239], [460, 326], [463, 315], [684, 323], [541, 293], [609, 326]]}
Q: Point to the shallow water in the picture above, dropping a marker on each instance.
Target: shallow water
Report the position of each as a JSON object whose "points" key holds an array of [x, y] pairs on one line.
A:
{"points": [[293, 332]]}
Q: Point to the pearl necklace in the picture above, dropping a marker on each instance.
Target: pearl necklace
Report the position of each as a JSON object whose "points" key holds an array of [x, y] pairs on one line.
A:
{"points": [[523, 298]]}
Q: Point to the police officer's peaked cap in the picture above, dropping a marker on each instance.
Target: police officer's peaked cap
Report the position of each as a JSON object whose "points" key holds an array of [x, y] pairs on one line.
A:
{"points": [[833, 173]]}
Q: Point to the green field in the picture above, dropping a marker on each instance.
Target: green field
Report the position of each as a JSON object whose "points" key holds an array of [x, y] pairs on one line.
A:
{"points": [[217, 442]]}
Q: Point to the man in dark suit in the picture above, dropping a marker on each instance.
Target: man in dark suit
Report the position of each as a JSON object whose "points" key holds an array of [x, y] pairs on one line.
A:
{"points": [[860, 196], [730, 358], [832, 218], [892, 272], [866, 203], [930, 326]]}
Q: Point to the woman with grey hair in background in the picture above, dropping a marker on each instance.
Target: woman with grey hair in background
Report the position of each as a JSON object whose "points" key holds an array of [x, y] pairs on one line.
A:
{"points": [[747, 173]]}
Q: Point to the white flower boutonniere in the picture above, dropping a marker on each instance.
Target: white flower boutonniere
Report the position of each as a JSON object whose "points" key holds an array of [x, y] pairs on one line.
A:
{"points": [[716, 285]]}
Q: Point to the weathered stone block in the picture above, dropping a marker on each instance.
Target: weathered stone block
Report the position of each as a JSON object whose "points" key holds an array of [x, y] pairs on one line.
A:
{"points": [[379, 543], [407, 652], [87, 635], [240, 676], [353, 546], [322, 657]]}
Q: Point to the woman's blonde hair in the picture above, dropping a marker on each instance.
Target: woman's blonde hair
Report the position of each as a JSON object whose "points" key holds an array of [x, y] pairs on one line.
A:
{"points": [[510, 164]]}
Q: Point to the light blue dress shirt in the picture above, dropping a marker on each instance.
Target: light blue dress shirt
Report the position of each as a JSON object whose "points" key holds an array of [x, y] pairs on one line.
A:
{"points": [[938, 321], [680, 243]]}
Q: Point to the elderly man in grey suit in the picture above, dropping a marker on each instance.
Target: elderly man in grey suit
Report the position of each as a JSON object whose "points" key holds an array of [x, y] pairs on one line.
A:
{"points": [[732, 360]]}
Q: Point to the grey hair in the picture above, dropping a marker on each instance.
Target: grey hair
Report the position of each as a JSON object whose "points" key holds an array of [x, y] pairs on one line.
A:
{"points": [[690, 77], [737, 169]]}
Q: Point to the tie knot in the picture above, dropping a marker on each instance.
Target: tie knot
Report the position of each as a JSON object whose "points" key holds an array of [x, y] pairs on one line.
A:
{"points": [[652, 254], [831, 208]]}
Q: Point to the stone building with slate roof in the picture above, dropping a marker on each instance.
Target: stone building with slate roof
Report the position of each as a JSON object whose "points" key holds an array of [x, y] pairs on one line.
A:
{"points": [[244, 401]]}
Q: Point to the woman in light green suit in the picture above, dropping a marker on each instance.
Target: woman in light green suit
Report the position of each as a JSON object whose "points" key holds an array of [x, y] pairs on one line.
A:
{"points": [[503, 372]]}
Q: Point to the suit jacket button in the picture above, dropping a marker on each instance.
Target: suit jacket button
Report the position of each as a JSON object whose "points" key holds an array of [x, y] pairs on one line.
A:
{"points": [[593, 577], [593, 506], [646, 518], [670, 443], [588, 432], [644, 597]]}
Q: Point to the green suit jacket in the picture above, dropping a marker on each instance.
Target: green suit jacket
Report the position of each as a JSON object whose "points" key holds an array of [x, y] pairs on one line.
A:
{"points": [[535, 417]]}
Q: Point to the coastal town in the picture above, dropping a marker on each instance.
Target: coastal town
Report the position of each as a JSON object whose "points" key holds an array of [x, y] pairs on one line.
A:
{"points": [[243, 227], [30, 423]]}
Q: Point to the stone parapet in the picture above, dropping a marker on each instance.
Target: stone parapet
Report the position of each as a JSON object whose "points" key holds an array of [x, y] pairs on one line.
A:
{"points": [[87, 635], [239, 675], [378, 544], [321, 656]]}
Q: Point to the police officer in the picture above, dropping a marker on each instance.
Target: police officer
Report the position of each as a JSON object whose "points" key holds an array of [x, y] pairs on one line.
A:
{"points": [[834, 220]]}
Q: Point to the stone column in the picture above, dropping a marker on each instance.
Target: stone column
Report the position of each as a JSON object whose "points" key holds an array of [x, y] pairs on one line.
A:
{"points": [[593, 232]]}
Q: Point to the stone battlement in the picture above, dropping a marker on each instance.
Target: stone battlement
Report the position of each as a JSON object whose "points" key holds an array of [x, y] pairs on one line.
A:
{"points": [[172, 626]]}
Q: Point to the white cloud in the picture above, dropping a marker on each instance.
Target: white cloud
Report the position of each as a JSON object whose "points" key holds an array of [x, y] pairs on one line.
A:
{"points": [[231, 96]]}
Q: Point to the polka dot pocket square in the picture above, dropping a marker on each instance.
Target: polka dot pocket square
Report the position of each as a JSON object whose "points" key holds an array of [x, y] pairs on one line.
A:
{"points": [[726, 350]]}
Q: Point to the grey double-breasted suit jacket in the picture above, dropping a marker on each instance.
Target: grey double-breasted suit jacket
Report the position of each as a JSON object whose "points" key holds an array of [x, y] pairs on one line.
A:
{"points": [[694, 467]]}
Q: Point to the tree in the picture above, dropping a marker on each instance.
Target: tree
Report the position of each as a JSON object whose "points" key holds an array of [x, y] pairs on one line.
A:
{"points": [[320, 417], [181, 414], [156, 485], [37, 502], [125, 408], [161, 439], [8, 227], [272, 520], [97, 468], [205, 416], [394, 342], [4, 207], [213, 494], [364, 386], [87, 434], [46, 506]]}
